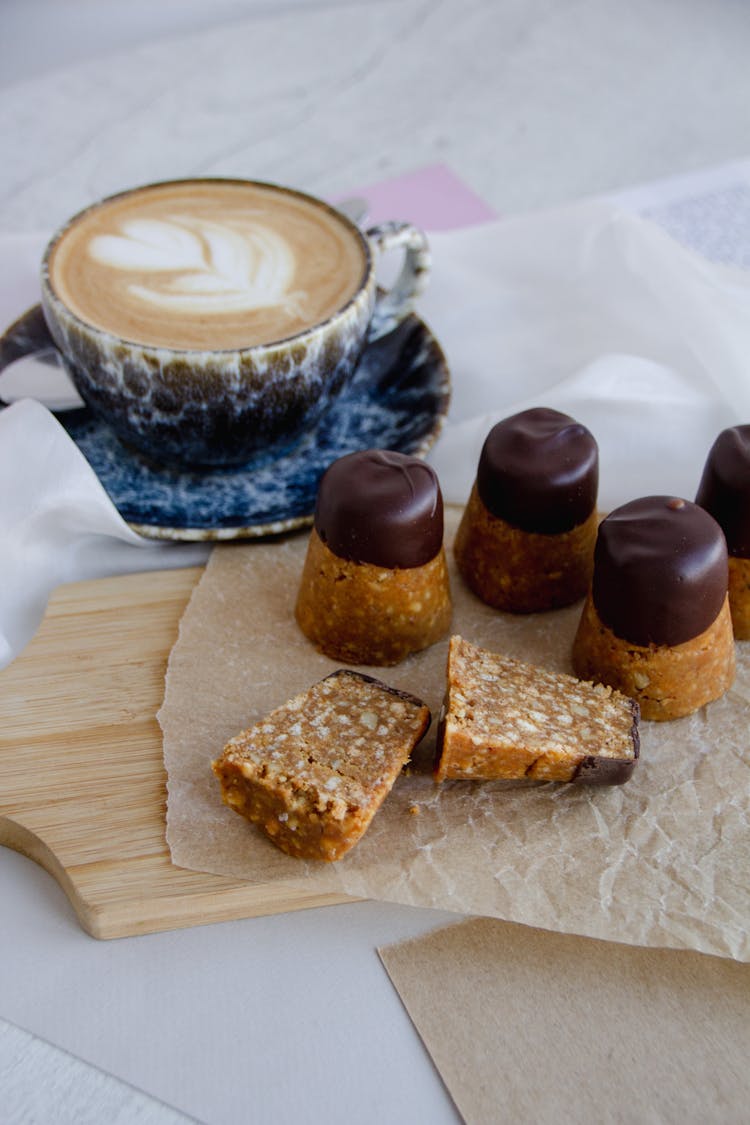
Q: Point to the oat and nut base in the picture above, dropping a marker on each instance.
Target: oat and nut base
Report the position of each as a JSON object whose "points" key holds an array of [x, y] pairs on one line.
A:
{"points": [[739, 597], [668, 682], [359, 613], [523, 571], [314, 772]]}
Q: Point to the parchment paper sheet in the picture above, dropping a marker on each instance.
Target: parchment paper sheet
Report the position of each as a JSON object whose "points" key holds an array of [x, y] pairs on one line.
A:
{"points": [[661, 861], [525, 1025]]}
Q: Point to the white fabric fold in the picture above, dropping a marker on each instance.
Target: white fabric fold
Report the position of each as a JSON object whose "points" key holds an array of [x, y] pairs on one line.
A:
{"points": [[598, 313], [57, 523], [587, 309]]}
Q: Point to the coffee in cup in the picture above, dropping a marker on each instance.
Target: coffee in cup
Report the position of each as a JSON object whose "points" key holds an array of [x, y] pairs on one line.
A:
{"points": [[209, 265], [206, 320]]}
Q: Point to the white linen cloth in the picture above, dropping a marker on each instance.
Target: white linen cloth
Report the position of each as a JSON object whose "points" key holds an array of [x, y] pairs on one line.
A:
{"points": [[587, 309], [599, 313]]}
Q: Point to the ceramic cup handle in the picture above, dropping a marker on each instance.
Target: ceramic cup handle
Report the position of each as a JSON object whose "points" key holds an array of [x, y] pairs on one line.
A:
{"points": [[397, 302], [27, 336]]}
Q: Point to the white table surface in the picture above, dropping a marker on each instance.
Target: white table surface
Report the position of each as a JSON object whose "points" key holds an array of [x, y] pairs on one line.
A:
{"points": [[532, 102]]}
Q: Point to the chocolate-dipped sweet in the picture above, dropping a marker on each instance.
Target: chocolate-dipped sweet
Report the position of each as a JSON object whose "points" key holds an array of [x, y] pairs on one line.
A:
{"points": [[526, 539], [374, 587], [380, 507], [539, 470], [724, 491], [656, 623], [660, 571]]}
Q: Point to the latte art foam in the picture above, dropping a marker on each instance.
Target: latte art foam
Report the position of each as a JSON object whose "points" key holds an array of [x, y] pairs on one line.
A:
{"points": [[207, 264], [203, 266]]}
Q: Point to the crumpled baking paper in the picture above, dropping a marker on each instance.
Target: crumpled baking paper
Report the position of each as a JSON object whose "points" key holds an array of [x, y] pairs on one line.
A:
{"points": [[660, 861]]}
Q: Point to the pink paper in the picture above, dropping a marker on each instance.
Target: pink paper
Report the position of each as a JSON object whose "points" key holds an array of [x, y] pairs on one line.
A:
{"points": [[433, 197]]}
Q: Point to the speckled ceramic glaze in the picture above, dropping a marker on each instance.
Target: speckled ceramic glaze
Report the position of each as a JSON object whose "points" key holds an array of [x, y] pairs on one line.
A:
{"points": [[397, 399], [221, 407]]}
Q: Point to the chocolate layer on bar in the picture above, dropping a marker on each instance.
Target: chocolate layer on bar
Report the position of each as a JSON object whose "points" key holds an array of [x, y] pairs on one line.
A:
{"points": [[724, 490], [539, 470], [660, 571], [608, 771], [382, 508]]}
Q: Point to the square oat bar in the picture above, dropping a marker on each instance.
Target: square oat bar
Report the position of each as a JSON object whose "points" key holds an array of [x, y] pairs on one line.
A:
{"points": [[314, 772]]}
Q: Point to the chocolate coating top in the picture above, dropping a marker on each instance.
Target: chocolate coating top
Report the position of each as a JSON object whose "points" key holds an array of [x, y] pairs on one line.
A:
{"points": [[724, 490], [539, 470], [660, 571], [382, 508]]}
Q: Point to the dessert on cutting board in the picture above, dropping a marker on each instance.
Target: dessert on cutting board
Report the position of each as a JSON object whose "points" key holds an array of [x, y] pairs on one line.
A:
{"points": [[656, 622], [724, 491], [526, 538], [375, 587], [654, 639]]}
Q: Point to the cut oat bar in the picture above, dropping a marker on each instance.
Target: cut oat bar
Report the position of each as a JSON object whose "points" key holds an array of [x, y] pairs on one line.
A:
{"points": [[314, 772], [504, 719]]}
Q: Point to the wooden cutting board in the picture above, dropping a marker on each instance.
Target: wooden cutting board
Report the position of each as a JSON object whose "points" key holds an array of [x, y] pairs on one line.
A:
{"points": [[82, 781]]}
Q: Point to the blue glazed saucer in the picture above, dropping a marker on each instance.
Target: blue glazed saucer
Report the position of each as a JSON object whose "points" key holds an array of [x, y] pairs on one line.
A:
{"points": [[397, 400]]}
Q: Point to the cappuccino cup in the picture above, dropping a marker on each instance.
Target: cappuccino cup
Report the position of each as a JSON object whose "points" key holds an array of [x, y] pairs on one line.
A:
{"points": [[206, 320]]}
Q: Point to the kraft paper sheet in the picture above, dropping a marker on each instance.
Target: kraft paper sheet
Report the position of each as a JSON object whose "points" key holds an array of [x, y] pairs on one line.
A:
{"points": [[525, 1025], [661, 861]]}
